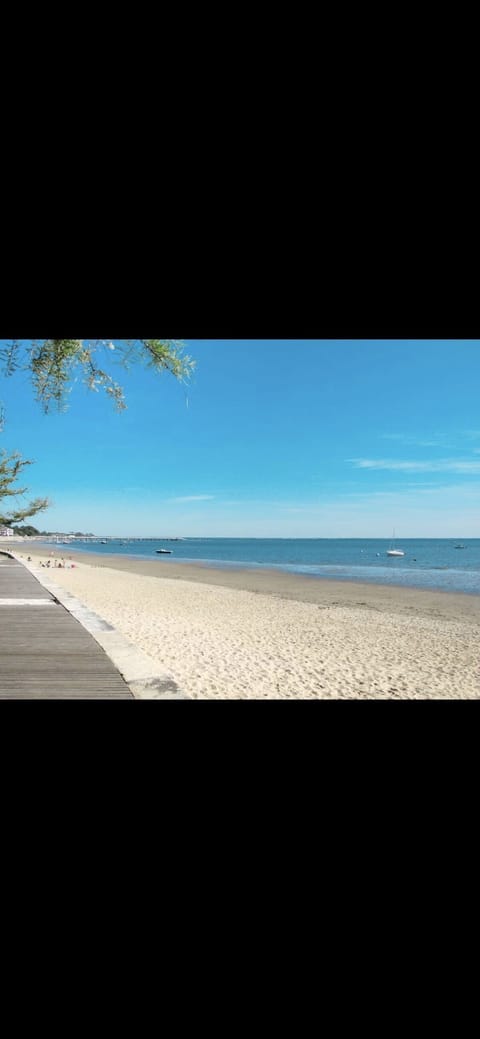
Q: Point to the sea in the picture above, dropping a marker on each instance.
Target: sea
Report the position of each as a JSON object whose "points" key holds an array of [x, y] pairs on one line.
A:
{"points": [[432, 563]]}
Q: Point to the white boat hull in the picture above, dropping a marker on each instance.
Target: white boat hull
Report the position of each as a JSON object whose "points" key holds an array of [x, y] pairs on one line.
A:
{"points": [[395, 552]]}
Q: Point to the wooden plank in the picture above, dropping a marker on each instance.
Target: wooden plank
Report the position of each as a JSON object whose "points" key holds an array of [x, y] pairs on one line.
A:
{"points": [[17, 582], [65, 693], [47, 653]]}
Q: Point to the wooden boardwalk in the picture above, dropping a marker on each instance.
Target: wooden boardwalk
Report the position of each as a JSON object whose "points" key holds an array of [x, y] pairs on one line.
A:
{"points": [[45, 653]]}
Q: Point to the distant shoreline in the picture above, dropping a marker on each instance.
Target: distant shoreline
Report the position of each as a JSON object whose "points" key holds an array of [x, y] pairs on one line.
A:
{"points": [[448, 577], [70, 539]]}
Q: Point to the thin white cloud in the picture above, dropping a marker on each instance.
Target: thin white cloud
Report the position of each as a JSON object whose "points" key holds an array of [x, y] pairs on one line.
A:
{"points": [[270, 503], [433, 443], [444, 465], [190, 497], [433, 440], [298, 508]]}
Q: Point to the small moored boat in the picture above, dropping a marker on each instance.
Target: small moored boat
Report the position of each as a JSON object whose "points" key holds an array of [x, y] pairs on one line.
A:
{"points": [[163, 551], [392, 551]]}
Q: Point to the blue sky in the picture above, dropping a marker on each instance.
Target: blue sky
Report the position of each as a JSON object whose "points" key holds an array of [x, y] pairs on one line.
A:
{"points": [[272, 438]]}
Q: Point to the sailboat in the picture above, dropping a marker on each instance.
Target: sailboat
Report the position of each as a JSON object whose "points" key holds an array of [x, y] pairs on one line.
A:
{"points": [[392, 551]]}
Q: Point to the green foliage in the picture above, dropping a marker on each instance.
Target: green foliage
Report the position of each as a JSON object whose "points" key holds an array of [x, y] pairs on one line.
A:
{"points": [[26, 532], [11, 466], [53, 364]]}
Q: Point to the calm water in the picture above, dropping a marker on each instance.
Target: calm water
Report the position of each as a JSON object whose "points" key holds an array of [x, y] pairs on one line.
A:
{"points": [[427, 563]]}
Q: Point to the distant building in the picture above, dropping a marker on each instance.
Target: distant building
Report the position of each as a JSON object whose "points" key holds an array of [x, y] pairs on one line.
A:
{"points": [[6, 532]]}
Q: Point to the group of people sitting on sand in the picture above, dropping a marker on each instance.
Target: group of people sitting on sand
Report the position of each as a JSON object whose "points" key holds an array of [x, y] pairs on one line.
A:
{"points": [[59, 563]]}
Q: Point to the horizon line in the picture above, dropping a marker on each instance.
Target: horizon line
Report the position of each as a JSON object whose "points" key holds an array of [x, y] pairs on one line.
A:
{"points": [[250, 537]]}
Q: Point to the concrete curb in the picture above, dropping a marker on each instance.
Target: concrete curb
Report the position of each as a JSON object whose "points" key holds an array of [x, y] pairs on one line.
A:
{"points": [[134, 665]]}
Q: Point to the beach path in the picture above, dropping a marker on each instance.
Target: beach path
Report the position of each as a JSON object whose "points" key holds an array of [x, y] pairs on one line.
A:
{"points": [[45, 653]]}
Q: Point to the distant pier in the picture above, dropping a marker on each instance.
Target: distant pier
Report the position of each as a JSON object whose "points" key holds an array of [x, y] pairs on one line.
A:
{"points": [[56, 539]]}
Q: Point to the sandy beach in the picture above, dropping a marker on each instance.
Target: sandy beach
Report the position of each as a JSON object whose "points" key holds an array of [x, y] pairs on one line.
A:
{"points": [[268, 635]]}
